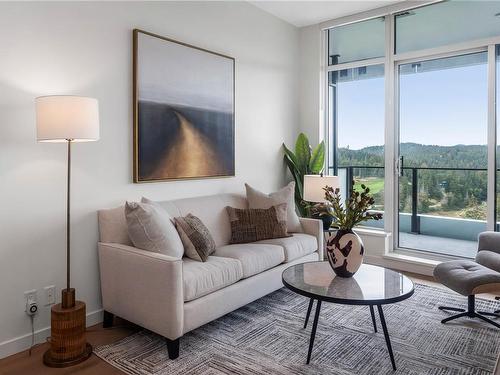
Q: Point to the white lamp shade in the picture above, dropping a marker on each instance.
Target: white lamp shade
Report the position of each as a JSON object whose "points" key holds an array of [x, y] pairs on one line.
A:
{"points": [[314, 184], [60, 118]]}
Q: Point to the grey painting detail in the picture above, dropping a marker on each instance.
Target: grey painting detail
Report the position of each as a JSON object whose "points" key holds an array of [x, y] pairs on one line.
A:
{"points": [[267, 337]]}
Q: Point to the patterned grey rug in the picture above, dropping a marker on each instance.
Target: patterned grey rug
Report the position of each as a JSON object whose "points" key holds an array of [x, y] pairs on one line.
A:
{"points": [[266, 337]]}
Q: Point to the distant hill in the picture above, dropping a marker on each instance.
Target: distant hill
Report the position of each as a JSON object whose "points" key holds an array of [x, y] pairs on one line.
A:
{"points": [[418, 155]]}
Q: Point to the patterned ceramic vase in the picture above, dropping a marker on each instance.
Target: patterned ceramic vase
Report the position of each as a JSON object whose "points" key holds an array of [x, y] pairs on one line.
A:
{"points": [[345, 252]]}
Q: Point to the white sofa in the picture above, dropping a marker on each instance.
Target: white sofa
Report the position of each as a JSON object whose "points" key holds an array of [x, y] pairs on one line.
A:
{"points": [[171, 296]]}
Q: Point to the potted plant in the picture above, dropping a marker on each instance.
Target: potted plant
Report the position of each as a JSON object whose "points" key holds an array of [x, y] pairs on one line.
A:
{"points": [[323, 212], [345, 249], [305, 160]]}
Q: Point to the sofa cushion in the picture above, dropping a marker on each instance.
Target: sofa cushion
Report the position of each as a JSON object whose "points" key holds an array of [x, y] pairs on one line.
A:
{"points": [[257, 199], [254, 258], [150, 228], [252, 224], [196, 238], [202, 278], [297, 246]]}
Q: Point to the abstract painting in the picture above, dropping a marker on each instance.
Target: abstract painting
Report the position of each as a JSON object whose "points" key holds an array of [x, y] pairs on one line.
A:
{"points": [[183, 110]]}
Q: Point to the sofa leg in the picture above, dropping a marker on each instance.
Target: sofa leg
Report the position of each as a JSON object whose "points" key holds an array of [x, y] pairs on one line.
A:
{"points": [[107, 319], [173, 348]]}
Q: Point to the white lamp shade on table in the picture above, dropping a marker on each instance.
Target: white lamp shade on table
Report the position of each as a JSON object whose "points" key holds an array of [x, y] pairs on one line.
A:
{"points": [[314, 184], [60, 118]]}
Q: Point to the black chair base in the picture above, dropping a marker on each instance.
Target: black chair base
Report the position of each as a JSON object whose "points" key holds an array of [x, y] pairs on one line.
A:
{"points": [[470, 312]]}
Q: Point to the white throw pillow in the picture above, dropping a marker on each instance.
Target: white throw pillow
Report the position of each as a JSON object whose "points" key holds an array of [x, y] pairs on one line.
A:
{"points": [[150, 228], [257, 199]]}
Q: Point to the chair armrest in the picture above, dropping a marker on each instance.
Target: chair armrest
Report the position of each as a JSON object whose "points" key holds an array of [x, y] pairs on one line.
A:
{"points": [[489, 241], [143, 287], [314, 227]]}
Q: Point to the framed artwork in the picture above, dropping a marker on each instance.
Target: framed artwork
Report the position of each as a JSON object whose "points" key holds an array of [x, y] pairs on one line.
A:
{"points": [[183, 110]]}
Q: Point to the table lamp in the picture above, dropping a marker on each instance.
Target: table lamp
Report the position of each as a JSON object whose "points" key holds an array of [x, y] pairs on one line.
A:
{"points": [[67, 119], [314, 184]]}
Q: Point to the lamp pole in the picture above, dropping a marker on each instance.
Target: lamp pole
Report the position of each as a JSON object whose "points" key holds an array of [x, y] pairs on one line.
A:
{"points": [[68, 206], [68, 294]]}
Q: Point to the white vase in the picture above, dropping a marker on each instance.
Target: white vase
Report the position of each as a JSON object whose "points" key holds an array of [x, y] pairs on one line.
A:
{"points": [[345, 252]]}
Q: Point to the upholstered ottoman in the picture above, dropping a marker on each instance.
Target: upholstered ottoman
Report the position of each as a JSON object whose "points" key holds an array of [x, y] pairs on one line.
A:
{"points": [[468, 278]]}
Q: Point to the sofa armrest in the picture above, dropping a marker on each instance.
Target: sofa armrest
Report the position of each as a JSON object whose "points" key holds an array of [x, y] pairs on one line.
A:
{"points": [[314, 227], [489, 241], [143, 287]]}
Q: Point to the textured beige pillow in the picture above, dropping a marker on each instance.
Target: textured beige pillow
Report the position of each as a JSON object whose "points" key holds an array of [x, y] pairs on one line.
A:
{"points": [[257, 199], [255, 224], [150, 228], [196, 238]]}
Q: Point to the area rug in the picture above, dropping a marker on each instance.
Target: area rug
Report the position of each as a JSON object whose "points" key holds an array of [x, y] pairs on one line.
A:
{"points": [[266, 337]]}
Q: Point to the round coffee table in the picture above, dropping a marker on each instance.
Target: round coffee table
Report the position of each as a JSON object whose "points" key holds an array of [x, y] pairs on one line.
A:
{"points": [[370, 286]]}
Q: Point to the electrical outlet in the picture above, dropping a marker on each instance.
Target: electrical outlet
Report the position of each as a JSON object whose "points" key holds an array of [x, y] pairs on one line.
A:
{"points": [[50, 295], [30, 296], [31, 302]]}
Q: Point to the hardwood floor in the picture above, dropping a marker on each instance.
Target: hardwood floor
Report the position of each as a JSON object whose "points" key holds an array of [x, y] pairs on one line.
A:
{"points": [[23, 364]]}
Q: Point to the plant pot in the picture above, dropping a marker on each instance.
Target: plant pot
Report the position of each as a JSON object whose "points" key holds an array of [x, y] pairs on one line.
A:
{"points": [[327, 221], [345, 252]]}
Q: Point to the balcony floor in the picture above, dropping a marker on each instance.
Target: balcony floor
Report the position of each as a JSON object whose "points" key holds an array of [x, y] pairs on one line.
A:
{"points": [[439, 245]]}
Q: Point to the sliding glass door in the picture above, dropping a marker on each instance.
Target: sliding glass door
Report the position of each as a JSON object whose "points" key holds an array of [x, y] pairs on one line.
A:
{"points": [[443, 137]]}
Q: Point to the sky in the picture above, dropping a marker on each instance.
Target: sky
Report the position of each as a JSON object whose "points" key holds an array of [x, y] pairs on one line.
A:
{"points": [[441, 107]]}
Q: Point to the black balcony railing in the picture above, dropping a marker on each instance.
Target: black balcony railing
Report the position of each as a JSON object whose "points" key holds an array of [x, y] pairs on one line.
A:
{"points": [[413, 175]]}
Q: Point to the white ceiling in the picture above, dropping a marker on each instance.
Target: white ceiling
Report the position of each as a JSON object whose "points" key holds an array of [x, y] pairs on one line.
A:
{"points": [[304, 13]]}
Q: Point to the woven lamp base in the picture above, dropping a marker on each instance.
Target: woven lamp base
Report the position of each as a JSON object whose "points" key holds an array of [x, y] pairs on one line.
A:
{"points": [[68, 345]]}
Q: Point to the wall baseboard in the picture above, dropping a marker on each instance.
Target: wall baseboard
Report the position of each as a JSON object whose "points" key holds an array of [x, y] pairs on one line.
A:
{"points": [[21, 343]]}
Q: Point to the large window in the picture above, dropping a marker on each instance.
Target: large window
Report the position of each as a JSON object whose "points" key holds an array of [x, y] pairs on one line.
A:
{"points": [[357, 102], [409, 103]]}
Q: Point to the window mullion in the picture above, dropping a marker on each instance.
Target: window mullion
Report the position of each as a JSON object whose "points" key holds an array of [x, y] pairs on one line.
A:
{"points": [[491, 198], [390, 136]]}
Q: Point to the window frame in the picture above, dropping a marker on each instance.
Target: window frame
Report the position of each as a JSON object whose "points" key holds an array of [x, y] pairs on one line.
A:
{"points": [[391, 62]]}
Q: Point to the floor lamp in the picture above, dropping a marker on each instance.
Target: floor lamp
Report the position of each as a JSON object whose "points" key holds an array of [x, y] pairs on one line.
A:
{"points": [[67, 119]]}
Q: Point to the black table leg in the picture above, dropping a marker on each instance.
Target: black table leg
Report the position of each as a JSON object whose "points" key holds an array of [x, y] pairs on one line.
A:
{"points": [[386, 335], [309, 308], [313, 332], [372, 312]]}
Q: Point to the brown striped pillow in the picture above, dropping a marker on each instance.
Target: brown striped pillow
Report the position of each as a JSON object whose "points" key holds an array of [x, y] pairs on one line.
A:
{"points": [[255, 224], [195, 236]]}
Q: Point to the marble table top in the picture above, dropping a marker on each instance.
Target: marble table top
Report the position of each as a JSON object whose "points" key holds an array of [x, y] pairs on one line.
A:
{"points": [[371, 285]]}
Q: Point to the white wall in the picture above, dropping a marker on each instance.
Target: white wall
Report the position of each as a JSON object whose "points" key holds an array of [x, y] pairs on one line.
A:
{"points": [[86, 49], [309, 83]]}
